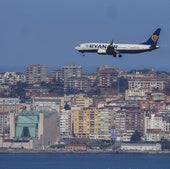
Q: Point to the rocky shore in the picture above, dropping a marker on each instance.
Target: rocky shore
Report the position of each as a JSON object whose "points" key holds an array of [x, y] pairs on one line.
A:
{"points": [[5, 150]]}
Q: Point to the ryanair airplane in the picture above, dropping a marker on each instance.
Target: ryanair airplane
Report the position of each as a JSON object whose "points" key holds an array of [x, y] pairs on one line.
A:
{"points": [[118, 49]]}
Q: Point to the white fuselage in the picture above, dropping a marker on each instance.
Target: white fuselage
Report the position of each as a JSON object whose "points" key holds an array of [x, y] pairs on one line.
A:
{"points": [[100, 48]]}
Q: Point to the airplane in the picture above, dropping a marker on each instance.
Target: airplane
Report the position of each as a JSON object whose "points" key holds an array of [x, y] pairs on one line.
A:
{"points": [[118, 49]]}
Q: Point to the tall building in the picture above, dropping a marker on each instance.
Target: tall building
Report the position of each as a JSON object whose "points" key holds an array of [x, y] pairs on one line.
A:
{"points": [[104, 126], [71, 71], [153, 126], [67, 72], [85, 122], [65, 124], [35, 73], [135, 120], [76, 84], [106, 76], [153, 121], [7, 105], [120, 124]]}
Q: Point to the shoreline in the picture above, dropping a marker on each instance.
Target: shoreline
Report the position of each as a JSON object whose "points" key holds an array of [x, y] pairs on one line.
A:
{"points": [[27, 151]]}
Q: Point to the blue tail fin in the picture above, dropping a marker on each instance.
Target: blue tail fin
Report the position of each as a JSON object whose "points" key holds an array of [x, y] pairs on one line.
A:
{"points": [[154, 38]]}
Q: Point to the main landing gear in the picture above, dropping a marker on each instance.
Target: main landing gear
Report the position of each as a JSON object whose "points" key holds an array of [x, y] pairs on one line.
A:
{"points": [[118, 56], [83, 54]]}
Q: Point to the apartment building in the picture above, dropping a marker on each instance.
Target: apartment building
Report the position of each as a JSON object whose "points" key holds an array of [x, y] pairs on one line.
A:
{"points": [[85, 122], [135, 120], [35, 73], [65, 124], [105, 124], [47, 102], [11, 78], [106, 76], [66, 72], [76, 84], [71, 71], [153, 126], [146, 83], [82, 101], [136, 94], [120, 124], [7, 105], [91, 77]]}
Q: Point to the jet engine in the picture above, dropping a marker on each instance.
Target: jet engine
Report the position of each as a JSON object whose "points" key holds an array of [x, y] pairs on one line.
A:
{"points": [[101, 51]]}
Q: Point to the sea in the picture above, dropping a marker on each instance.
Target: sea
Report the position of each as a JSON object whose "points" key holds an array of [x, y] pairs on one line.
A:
{"points": [[84, 161]]}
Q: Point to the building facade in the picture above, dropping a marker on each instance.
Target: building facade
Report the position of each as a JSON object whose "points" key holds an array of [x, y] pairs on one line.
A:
{"points": [[85, 122], [33, 125], [106, 76], [66, 72], [35, 73], [11, 78], [76, 84], [143, 83]]}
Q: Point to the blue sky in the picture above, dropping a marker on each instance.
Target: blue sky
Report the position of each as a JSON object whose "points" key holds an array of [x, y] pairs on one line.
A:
{"points": [[46, 32]]}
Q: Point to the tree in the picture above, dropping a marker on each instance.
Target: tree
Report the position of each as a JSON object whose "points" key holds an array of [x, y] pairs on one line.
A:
{"points": [[136, 137], [67, 106], [18, 90]]}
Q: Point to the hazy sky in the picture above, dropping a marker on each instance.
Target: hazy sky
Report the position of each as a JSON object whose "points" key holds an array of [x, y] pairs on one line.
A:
{"points": [[46, 32]]}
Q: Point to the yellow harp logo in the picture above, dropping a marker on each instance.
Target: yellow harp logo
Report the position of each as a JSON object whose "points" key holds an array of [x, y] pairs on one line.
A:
{"points": [[154, 38]]}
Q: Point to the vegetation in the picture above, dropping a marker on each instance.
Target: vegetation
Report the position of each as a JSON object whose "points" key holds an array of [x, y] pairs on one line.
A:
{"points": [[67, 106], [165, 144], [18, 90], [136, 137]]}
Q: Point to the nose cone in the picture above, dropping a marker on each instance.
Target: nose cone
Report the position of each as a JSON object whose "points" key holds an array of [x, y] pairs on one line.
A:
{"points": [[77, 48]]}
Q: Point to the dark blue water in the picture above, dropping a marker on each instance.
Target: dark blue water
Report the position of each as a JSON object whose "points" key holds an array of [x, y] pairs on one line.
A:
{"points": [[84, 161]]}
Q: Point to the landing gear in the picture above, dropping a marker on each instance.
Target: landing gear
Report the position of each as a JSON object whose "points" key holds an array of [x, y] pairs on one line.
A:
{"points": [[119, 55]]}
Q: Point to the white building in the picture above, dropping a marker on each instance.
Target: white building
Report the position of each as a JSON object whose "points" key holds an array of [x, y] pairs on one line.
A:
{"points": [[136, 94], [65, 123], [153, 121], [67, 72], [153, 126], [11, 78], [140, 147], [146, 83], [104, 124], [46, 103]]}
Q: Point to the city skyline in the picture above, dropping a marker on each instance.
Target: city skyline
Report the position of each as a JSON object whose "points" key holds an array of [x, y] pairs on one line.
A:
{"points": [[85, 70], [109, 105], [46, 32]]}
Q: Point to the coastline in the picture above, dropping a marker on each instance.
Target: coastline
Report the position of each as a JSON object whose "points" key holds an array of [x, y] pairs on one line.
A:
{"points": [[28, 151]]}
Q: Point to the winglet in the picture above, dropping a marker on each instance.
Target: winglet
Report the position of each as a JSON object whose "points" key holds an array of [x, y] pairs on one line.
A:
{"points": [[111, 43]]}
